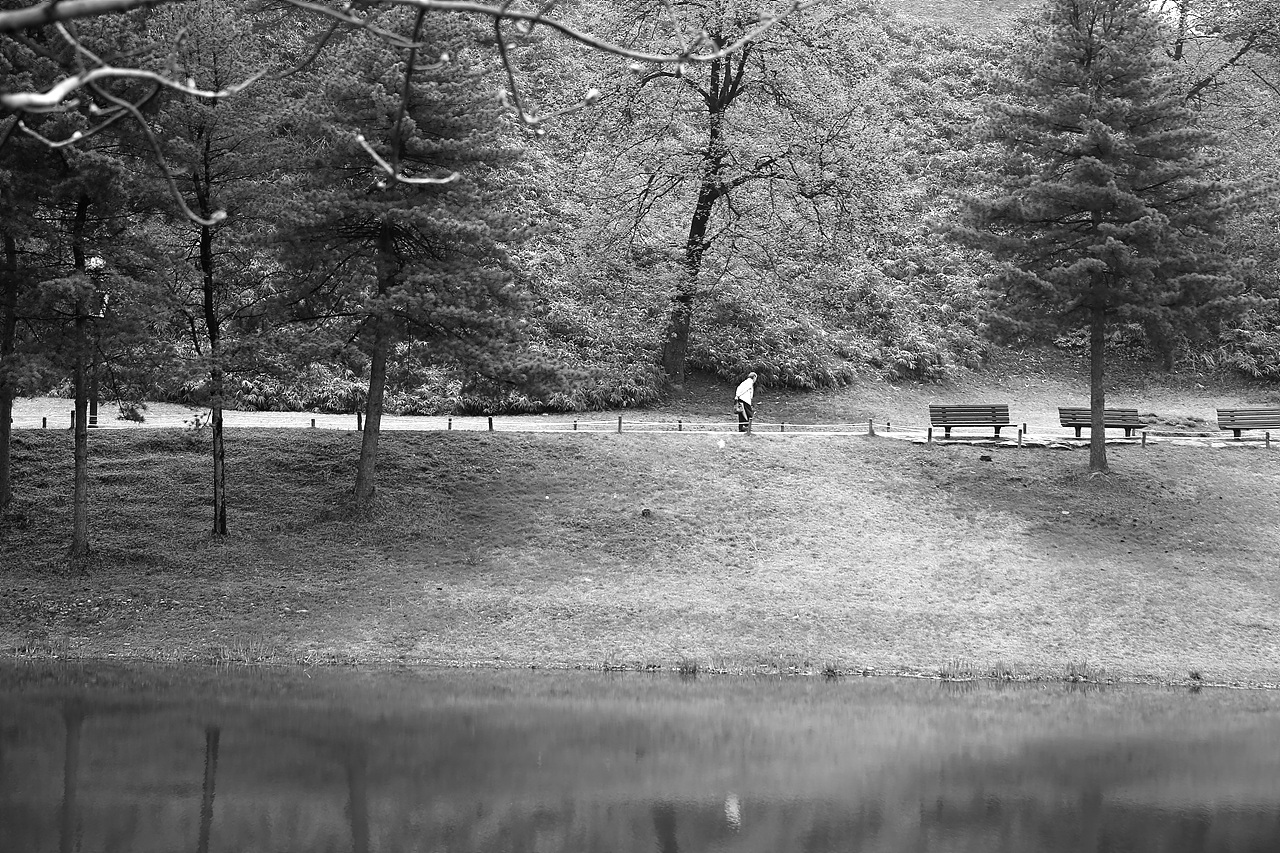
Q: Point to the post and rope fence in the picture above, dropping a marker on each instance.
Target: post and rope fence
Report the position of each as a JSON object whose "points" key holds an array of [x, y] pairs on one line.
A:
{"points": [[921, 433]]}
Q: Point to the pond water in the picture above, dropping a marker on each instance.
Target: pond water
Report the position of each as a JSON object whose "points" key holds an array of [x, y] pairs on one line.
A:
{"points": [[96, 758]]}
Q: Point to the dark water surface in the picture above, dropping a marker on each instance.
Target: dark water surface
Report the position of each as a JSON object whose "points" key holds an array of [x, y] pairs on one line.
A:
{"points": [[125, 759]]}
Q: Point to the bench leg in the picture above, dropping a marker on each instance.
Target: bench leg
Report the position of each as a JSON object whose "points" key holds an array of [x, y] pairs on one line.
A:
{"points": [[1077, 432], [1236, 432], [1128, 432]]}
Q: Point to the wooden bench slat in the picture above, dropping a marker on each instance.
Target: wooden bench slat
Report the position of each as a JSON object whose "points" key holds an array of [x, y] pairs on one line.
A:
{"points": [[1238, 420], [1080, 417], [995, 415]]}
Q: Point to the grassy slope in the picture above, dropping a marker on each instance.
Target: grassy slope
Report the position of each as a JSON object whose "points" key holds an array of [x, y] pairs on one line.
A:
{"points": [[771, 551]]}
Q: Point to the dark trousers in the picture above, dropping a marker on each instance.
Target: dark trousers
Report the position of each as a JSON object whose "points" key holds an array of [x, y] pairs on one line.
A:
{"points": [[744, 416]]}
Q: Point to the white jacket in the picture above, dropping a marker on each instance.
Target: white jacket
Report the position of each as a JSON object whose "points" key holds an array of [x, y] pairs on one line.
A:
{"points": [[746, 390]]}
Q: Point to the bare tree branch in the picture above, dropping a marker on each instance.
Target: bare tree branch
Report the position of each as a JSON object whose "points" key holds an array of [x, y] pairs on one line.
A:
{"points": [[55, 98], [64, 10]]}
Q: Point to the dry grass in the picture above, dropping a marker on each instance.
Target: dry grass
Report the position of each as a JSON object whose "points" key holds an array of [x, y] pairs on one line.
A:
{"points": [[782, 553]]}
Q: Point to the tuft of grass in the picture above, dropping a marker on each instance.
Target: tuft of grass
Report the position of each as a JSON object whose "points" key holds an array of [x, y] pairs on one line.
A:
{"points": [[1194, 675], [1082, 670], [240, 652], [955, 670], [689, 667], [1000, 671]]}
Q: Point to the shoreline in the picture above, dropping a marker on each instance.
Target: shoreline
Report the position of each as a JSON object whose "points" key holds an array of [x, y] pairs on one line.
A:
{"points": [[224, 658]]}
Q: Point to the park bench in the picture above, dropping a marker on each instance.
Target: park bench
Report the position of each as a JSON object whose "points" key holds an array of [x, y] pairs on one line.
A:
{"points": [[983, 415], [1237, 420], [1125, 419]]}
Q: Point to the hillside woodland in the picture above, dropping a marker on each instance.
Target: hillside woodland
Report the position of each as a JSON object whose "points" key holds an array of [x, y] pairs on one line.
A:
{"points": [[255, 205]]}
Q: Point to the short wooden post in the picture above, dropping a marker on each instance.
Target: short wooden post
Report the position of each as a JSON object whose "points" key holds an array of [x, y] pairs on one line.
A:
{"points": [[359, 422], [782, 427], [313, 423], [1024, 427], [450, 424], [44, 423], [490, 423], [1019, 438], [871, 427], [748, 425], [679, 425], [73, 420], [575, 424], [888, 426], [619, 423], [928, 436], [1266, 440], [1144, 438]]}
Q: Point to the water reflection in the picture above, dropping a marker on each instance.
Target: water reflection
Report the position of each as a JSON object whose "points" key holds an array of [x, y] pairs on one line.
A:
{"points": [[101, 759]]}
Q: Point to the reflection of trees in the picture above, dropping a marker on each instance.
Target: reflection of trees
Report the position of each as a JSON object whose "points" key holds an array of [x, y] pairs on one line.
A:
{"points": [[356, 762], [73, 721], [210, 776], [664, 826]]}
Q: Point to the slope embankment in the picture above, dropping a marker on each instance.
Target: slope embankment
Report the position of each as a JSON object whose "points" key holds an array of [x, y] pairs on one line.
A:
{"points": [[727, 552]]}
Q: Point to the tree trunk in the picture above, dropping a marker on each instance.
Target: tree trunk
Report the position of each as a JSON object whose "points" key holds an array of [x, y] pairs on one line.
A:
{"points": [[377, 374], [372, 421], [726, 85], [213, 328], [93, 386], [8, 343], [1097, 395], [80, 492], [675, 342]]}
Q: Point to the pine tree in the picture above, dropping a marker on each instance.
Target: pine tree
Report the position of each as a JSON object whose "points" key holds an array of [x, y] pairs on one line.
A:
{"points": [[227, 157], [1101, 207], [388, 262], [66, 216]]}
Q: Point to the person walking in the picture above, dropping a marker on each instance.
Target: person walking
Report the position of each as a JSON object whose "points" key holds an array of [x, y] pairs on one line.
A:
{"points": [[742, 402]]}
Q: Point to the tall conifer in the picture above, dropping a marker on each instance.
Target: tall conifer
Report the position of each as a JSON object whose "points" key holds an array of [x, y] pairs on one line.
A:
{"points": [[409, 262], [1101, 204]]}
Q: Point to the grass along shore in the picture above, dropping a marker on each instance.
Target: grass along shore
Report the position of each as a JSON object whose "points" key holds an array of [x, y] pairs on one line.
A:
{"points": [[769, 553]]}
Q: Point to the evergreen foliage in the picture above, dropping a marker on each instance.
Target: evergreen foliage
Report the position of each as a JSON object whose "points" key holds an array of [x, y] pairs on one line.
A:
{"points": [[1103, 204], [379, 262]]}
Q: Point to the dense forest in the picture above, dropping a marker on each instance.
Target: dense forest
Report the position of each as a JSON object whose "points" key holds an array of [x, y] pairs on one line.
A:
{"points": [[401, 208]]}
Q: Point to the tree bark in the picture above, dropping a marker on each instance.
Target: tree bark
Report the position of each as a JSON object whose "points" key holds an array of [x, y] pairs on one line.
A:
{"points": [[377, 373], [213, 328], [675, 343], [726, 85], [1097, 395], [372, 420], [80, 492], [8, 343]]}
